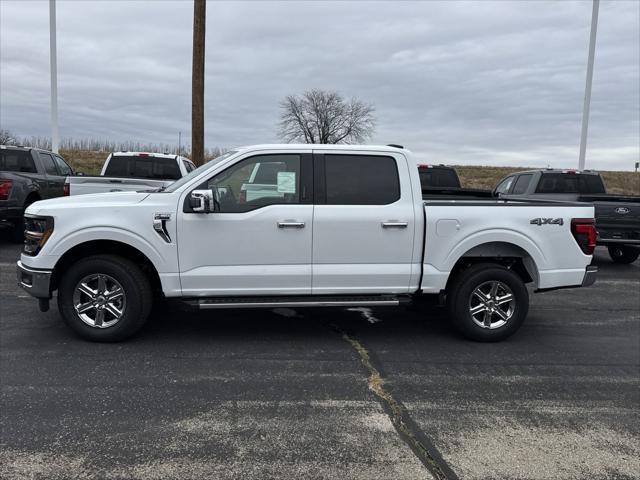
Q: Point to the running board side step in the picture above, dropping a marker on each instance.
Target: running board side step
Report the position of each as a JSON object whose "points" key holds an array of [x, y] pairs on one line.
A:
{"points": [[297, 301]]}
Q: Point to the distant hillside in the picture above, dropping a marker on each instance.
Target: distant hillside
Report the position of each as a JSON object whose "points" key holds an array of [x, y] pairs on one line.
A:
{"points": [[90, 162]]}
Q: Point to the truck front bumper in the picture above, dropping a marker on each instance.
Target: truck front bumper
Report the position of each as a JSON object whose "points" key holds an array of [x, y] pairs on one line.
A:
{"points": [[36, 282]]}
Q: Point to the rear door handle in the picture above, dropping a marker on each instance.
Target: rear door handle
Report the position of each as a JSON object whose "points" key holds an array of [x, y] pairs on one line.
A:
{"points": [[394, 224], [290, 224]]}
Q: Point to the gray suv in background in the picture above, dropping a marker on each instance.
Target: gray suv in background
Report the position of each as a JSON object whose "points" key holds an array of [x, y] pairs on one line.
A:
{"points": [[26, 176]]}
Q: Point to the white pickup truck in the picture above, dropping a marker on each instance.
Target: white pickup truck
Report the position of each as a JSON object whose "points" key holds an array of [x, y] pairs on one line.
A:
{"points": [[131, 171], [348, 227]]}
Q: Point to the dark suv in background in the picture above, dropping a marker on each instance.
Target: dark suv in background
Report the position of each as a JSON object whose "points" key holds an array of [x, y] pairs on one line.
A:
{"points": [[26, 176]]}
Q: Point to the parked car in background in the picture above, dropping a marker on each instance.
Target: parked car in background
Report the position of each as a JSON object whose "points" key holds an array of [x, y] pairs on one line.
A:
{"points": [[26, 176], [617, 216], [132, 171], [348, 227]]}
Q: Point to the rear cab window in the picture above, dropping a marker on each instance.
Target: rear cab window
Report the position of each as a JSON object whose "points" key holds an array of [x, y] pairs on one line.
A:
{"points": [[565, 182], [138, 166], [438, 177], [17, 161], [361, 180]]}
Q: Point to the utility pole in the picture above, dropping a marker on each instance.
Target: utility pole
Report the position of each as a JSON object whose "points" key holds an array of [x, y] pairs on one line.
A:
{"points": [[54, 76], [587, 89], [197, 82], [179, 143]]}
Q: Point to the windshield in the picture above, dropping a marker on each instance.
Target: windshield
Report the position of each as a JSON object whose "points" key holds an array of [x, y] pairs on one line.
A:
{"points": [[194, 173]]}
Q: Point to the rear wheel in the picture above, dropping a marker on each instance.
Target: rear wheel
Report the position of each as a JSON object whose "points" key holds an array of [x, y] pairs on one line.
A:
{"points": [[487, 302], [621, 254], [104, 298]]}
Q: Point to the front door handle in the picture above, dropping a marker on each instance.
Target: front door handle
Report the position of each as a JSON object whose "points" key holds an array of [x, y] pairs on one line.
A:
{"points": [[394, 224], [290, 224]]}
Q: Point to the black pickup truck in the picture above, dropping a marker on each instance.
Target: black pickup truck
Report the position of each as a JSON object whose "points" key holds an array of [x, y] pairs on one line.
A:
{"points": [[443, 182], [26, 176], [617, 216]]}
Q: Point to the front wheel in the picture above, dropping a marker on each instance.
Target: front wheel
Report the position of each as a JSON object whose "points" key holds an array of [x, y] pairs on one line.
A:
{"points": [[104, 298], [620, 254], [488, 302]]}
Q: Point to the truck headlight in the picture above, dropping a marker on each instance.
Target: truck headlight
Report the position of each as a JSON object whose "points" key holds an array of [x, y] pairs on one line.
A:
{"points": [[37, 232]]}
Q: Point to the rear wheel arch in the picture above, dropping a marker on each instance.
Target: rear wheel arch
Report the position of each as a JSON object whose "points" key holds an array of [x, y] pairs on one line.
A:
{"points": [[506, 254]]}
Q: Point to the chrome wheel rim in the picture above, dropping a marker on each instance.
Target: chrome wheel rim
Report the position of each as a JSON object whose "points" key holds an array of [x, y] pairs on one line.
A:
{"points": [[492, 304], [99, 300]]}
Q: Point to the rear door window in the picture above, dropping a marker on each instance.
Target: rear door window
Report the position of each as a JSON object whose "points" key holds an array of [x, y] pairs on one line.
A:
{"points": [[521, 184], [17, 161], [62, 166], [361, 180], [505, 185], [49, 164], [188, 166]]}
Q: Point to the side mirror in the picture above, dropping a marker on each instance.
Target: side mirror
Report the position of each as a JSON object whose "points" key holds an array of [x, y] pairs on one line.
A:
{"points": [[79, 174], [202, 201]]}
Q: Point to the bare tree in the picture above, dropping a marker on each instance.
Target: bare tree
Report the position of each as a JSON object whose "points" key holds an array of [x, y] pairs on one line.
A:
{"points": [[7, 138], [318, 116]]}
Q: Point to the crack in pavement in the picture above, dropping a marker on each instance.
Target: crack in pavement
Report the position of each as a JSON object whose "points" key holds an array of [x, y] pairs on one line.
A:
{"points": [[409, 432]]}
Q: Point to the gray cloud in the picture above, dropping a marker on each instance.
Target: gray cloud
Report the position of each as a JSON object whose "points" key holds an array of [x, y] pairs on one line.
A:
{"points": [[497, 83]]}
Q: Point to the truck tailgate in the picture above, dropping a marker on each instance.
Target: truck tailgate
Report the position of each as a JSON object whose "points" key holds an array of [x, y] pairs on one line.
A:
{"points": [[96, 184]]}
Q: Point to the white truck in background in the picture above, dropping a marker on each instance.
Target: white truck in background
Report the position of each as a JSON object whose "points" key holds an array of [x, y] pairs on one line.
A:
{"points": [[131, 171], [348, 227]]}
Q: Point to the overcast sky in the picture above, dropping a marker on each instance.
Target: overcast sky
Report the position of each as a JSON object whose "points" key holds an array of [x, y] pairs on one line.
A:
{"points": [[492, 83]]}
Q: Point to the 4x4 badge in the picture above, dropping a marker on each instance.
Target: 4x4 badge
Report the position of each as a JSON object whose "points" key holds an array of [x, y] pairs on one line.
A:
{"points": [[546, 221]]}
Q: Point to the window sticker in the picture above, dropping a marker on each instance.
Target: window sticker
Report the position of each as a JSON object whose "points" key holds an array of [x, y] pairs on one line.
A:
{"points": [[286, 182]]}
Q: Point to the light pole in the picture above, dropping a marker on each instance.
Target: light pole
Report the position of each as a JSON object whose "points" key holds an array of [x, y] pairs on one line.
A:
{"points": [[54, 76], [587, 89]]}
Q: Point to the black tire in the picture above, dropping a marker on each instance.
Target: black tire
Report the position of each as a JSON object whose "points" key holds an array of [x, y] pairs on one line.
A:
{"points": [[485, 275], [621, 254], [137, 295]]}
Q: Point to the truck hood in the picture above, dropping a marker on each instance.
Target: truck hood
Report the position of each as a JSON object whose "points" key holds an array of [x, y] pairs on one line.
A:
{"points": [[110, 199]]}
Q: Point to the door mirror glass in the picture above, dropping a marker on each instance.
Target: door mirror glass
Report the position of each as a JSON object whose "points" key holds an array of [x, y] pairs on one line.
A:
{"points": [[202, 201]]}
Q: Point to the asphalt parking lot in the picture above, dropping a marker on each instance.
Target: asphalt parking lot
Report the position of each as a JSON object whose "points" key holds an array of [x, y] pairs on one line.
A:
{"points": [[381, 394]]}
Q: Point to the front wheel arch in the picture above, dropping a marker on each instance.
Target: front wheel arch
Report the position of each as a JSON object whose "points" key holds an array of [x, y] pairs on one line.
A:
{"points": [[107, 247]]}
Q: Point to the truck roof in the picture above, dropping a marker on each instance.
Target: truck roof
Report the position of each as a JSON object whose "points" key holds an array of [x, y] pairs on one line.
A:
{"points": [[23, 148], [341, 147], [561, 170], [146, 154]]}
